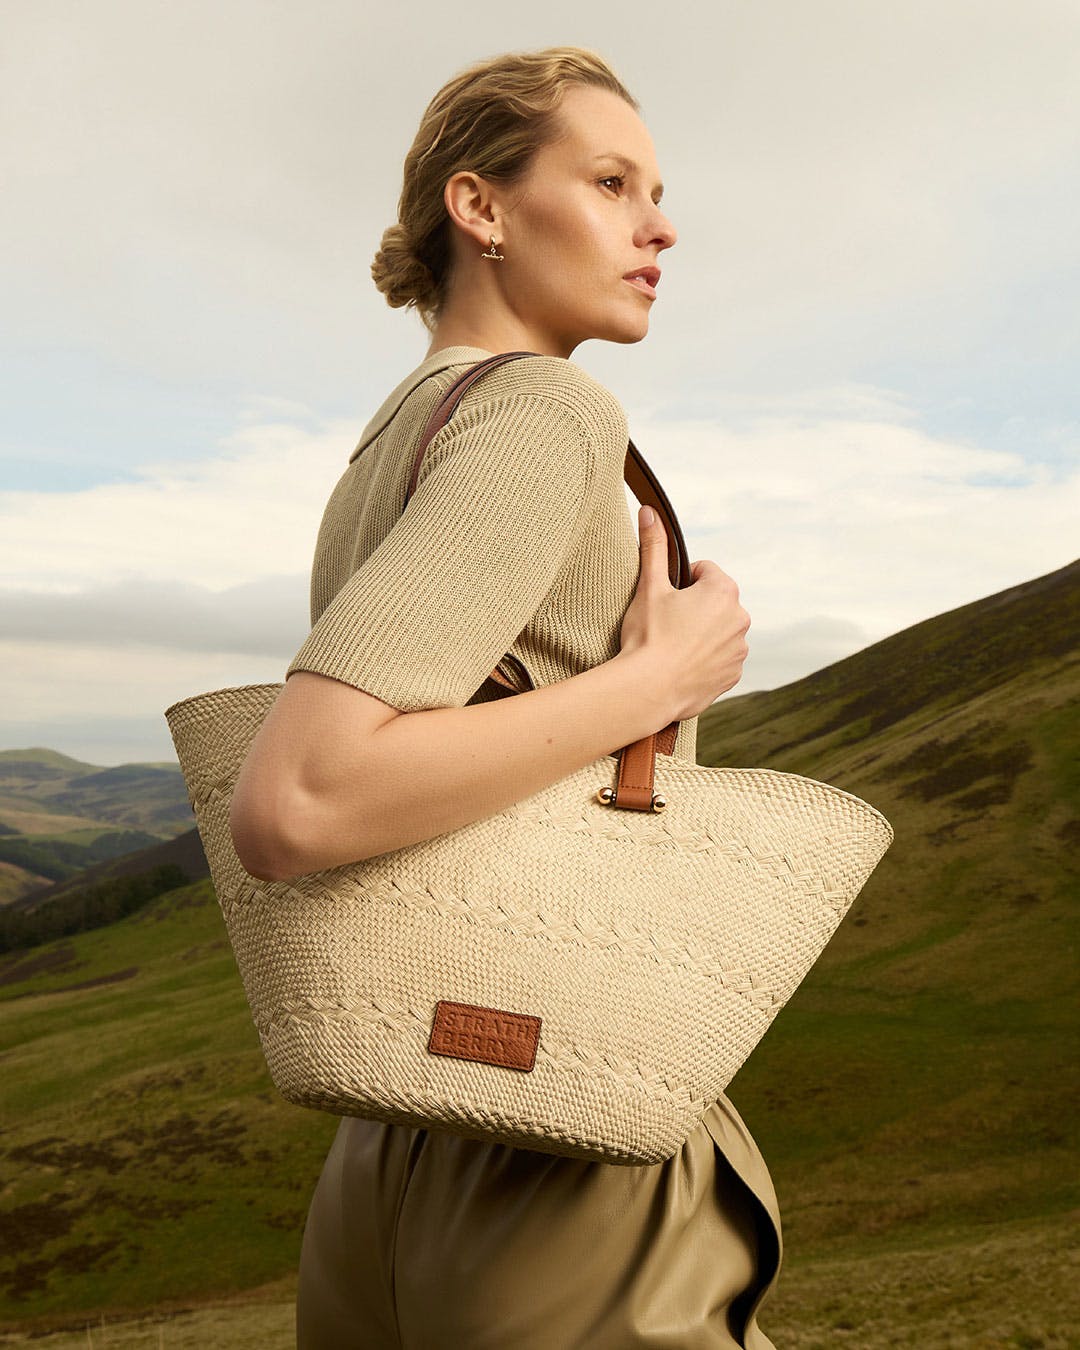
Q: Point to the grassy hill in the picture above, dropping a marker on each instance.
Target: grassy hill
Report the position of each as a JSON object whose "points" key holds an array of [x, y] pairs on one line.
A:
{"points": [[185, 850], [59, 816], [140, 796], [929, 1058], [138, 1117], [39, 760], [915, 1100]]}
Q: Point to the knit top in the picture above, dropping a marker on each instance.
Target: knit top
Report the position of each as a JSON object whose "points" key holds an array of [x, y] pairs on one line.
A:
{"points": [[517, 538]]}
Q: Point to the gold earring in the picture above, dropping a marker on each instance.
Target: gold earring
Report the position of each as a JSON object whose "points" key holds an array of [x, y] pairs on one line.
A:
{"points": [[491, 253]]}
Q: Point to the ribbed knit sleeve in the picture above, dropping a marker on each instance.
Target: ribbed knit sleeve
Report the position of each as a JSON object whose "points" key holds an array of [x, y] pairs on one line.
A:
{"points": [[504, 492]]}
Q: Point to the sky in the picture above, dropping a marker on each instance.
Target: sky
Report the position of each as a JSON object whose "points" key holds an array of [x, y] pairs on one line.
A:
{"points": [[859, 389]]}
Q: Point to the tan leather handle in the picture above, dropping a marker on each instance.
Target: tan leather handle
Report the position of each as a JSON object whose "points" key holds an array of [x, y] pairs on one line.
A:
{"points": [[637, 762]]}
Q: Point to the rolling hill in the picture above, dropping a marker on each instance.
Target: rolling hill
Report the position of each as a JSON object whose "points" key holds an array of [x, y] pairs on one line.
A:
{"points": [[915, 1100], [929, 1054], [185, 850], [59, 816]]}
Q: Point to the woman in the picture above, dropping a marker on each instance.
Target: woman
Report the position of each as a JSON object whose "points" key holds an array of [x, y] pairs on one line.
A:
{"points": [[530, 220]]}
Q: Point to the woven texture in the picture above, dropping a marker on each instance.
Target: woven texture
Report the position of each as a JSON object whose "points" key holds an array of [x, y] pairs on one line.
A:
{"points": [[656, 948]]}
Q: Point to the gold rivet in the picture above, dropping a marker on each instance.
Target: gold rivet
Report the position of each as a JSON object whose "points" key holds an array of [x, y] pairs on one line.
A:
{"points": [[659, 801], [606, 795]]}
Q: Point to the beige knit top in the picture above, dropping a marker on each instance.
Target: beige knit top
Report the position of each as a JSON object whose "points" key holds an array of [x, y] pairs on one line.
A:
{"points": [[518, 538]]}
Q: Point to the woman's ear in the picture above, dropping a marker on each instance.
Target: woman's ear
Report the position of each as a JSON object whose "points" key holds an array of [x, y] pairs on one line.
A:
{"points": [[471, 206]]}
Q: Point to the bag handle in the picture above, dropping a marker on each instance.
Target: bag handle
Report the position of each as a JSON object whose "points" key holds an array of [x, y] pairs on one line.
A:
{"points": [[637, 762]]}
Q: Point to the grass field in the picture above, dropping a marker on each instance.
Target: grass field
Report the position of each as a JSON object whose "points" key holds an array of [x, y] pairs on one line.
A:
{"points": [[1010, 1287], [138, 1114]]}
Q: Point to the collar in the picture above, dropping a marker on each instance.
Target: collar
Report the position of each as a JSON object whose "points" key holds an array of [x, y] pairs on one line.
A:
{"points": [[440, 360]]}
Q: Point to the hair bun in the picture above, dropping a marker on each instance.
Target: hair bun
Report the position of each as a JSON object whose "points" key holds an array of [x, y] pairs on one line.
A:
{"points": [[399, 274]]}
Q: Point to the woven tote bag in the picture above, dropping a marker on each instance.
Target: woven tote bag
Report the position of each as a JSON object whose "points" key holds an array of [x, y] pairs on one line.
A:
{"points": [[582, 974]]}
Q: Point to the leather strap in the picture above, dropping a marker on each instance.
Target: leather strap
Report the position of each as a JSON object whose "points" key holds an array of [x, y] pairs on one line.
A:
{"points": [[637, 762]]}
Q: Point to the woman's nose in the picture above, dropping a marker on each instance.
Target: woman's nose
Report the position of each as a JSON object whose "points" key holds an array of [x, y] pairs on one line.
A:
{"points": [[659, 230]]}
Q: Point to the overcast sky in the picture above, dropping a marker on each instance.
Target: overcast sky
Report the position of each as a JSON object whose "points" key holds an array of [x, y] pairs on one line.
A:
{"points": [[860, 387]]}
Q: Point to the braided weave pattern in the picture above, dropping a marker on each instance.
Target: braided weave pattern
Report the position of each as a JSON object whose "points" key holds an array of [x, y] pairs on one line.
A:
{"points": [[407, 1021], [655, 948]]}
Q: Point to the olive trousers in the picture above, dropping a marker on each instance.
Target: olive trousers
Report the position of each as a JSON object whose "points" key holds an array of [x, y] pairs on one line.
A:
{"points": [[424, 1240]]}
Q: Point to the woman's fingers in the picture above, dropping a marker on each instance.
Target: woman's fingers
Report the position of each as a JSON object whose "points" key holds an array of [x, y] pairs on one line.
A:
{"points": [[698, 631]]}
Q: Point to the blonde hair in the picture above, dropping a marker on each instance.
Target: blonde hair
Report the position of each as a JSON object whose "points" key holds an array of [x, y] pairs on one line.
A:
{"points": [[490, 119]]}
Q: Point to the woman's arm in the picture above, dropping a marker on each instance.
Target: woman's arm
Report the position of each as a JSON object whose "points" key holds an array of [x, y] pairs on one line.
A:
{"points": [[336, 775]]}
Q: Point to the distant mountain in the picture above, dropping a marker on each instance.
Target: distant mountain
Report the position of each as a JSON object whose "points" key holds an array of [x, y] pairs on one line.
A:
{"points": [[55, 857], [143, 796], [59, 815], [185, 851], [48, 760]]}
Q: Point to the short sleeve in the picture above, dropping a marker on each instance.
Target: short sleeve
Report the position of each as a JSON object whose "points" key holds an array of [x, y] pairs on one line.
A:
{"points": [[505, 489]]}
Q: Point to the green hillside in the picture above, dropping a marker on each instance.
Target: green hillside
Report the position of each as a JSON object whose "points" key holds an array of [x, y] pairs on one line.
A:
{"points": [[129, 794], [914, 1100], [138, 1117], [59, 816], [61, 856], [184, 850], [924, 1077], [150, 797]]}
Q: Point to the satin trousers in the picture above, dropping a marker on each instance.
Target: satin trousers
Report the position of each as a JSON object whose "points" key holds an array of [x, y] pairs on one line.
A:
{"points": [[423, 1240]]}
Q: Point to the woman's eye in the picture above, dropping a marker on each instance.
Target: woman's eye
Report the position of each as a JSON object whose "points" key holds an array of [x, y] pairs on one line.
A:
{"points": [[613, 178]]}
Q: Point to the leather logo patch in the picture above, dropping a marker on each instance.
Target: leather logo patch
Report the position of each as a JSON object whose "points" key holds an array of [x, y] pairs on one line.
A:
{"points": [[488, 1035]]}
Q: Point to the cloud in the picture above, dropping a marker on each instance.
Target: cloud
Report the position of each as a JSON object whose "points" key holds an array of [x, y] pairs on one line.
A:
{"points": [[105, 704], [837, 505], [249, 511], [873, 522], [841, 519], [267, 617]]}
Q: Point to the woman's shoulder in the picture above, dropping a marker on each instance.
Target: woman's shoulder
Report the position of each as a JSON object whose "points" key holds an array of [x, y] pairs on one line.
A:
{"points": [[555, 380], [531, 379]]}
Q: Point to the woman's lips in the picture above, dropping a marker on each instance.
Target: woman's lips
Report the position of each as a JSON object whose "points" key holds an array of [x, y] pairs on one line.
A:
{"points": [[644, 279]]}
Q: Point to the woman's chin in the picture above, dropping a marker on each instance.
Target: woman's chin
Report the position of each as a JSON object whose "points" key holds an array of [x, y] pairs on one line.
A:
{"points": [[640, 331], [626, 329], [620, 327]]}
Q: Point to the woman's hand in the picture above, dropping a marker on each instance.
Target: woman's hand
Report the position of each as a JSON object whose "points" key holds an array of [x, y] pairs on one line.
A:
{"points": [[696, 634]]}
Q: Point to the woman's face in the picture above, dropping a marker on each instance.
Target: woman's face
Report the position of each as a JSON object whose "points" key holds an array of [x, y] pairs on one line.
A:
{"points": [[584, 219]]}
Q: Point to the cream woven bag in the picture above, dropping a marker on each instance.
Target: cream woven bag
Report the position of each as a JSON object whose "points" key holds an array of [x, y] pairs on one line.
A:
{"points": [[582, 974]]}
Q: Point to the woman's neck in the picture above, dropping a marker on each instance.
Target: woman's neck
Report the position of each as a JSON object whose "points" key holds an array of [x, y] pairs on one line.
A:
{"points": [[477, 320]]}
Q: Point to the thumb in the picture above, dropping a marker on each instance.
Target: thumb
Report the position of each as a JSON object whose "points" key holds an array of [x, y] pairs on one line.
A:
{"points": [[652, 538]]}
